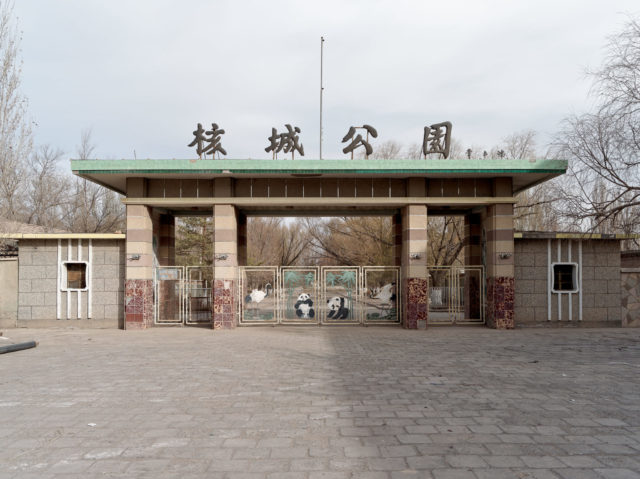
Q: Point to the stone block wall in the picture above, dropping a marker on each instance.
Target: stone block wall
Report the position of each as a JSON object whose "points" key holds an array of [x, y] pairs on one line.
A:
{"points": [[41, 304], [9, 292], [601, 289], [630, 279]]}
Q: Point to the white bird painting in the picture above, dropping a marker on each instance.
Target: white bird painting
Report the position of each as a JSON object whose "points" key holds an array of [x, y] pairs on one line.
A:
{"points": [[257, 295], [386, 294]]}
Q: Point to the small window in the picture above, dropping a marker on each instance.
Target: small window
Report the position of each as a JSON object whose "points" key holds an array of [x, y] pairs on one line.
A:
{"points": [[75, 275], [565, 278]]}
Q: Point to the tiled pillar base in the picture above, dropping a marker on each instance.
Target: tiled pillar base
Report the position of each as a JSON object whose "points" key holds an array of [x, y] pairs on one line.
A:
{"points": [[417, 303], [500, 299], [224, 315], [138, 306]]}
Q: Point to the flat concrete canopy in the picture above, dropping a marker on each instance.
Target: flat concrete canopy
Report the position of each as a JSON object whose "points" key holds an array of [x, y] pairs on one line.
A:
{"points": [[114, 173]]}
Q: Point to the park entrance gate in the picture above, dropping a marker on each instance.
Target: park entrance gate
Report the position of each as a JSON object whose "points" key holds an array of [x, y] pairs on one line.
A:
{"points": [[319, 295]]}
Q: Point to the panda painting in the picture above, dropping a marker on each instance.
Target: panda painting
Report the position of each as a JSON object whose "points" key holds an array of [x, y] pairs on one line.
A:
{"points": [[338, 307], [304, 307]]}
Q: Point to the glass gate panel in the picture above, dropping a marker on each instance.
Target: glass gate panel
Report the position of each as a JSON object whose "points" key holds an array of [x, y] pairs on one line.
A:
{"points": [[258, 295], [299, 300], [169, 293], [381, 301], [471, 285], [456, 294], [341, 293], [441, 289], [197, 294]]}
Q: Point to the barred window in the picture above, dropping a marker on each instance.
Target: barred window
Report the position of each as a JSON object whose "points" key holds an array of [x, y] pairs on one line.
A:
{"points": [[76, 275], [565, 278]]}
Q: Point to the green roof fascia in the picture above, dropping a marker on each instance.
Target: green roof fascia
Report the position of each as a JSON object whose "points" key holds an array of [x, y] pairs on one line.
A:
{"points": [[302, 166]]}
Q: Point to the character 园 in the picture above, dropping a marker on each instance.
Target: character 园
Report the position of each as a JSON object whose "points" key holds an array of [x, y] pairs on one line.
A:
{"points": [[437, 139]]}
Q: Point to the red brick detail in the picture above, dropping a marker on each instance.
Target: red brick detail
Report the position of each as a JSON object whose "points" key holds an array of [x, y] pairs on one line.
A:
{"points": [[416, 308], [500, 300], [138, 303], [224, 305]]}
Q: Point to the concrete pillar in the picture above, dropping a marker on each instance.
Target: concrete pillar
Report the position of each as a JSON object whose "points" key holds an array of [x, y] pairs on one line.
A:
{"points": [[498, 232], [472, 257], [415, 276], [225, 262], [167, 248], [139, 275]]}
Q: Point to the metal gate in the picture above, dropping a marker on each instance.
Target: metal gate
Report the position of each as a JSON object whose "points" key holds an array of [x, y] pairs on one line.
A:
{"points": [[183, 295], [319, 295], [456, 294]]}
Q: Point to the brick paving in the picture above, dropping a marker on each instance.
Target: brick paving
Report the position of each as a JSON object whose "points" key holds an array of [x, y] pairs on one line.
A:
{"points": [[330, 403]]}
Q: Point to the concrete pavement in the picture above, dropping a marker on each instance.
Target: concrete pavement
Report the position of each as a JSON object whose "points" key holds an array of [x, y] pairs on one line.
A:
{"points": [[328, 402]]}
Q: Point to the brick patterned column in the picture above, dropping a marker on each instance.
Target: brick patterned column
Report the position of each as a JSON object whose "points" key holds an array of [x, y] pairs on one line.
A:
{"points": [[225, 245], [167, 248], [138, 307], [415, 277], [472, 257], [498, 227]]}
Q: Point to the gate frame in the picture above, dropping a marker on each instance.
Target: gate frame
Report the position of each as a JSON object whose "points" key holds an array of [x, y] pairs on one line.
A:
{"points": [[320, 293], [454, 302], [364, 288], [358, 291], [187, 299], [276, 293], [316, 290], [156, 302]]}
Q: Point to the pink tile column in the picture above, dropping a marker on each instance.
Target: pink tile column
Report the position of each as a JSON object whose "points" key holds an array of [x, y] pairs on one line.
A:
{"points": [[225, 271], [138, 307], [498, 228], [415, 280]]}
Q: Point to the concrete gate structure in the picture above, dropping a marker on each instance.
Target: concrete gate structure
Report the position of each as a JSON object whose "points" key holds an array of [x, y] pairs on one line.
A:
{"points": [[156, 191]]}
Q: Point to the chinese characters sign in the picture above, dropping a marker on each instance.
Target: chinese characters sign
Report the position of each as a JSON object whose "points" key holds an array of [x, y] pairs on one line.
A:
{"points": [[436, 140], [210, 138]]}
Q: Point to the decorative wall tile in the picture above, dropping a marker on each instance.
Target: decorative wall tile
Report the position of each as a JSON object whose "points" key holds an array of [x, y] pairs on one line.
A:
{"points": [[224, 306], [138, 306], [416, 303], [500, 302]]}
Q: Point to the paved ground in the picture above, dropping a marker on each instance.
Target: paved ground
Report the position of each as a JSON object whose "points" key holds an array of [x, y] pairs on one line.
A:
{"points": [[326, 403]]}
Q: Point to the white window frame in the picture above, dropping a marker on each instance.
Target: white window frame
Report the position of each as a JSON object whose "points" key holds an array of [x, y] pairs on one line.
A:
{"points": [[63, 276], [576, 279]]}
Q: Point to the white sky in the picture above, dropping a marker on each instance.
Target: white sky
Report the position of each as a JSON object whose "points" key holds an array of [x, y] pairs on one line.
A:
{"points": [[142, 73]]}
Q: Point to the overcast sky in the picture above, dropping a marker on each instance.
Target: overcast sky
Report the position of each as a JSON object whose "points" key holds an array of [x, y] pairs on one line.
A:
{"points": [[142, 73]]}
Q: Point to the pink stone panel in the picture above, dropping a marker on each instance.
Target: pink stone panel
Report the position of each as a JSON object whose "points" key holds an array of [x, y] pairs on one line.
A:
{"points": [[224, 307], [416, 308], [500, 302], [138, 308]]}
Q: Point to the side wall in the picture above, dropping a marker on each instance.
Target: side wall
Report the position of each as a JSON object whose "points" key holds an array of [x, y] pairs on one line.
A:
{"points": [[42, 303], [9, 292], [598, 303], [630, 297]]}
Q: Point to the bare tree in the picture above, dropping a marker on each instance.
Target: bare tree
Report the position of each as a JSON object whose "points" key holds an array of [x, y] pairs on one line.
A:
{"points": [[47, 189], [15, 131], [359, 240], [603, 147], [92, 208], [271, 241]]}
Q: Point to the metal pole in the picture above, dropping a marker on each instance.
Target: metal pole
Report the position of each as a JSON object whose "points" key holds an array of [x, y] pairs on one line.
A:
{"points": [[321, 89]]}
